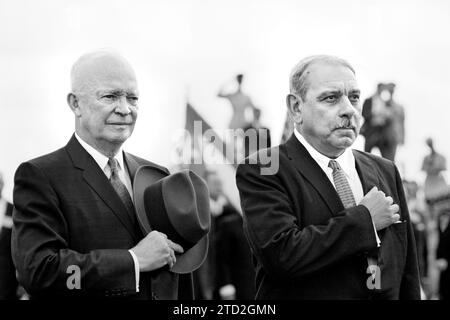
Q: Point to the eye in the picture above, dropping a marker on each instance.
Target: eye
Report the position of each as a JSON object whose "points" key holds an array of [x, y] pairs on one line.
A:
{"points": [[332, 98], [110, 97], [133, 100], [354, 98]]}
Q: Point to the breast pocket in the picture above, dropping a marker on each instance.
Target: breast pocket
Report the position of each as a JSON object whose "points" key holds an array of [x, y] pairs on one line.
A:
{"points": [[400, 231], [395, 241]]}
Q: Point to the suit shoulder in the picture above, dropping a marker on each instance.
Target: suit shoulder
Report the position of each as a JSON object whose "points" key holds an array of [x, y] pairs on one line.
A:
{"points": [[266, 161], [49, 159], [262, 156], [144, 162], [380, 161]]}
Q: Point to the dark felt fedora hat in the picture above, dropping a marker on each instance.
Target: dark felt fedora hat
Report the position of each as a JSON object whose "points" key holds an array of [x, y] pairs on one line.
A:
{"points": [[177, 205]]}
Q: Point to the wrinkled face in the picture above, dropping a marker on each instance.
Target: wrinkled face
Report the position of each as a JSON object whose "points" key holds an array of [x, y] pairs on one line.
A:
{"points": [[330, 115], [107, 105]]}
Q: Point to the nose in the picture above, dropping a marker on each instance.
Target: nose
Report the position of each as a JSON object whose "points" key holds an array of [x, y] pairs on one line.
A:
{"points": [[347, 108], [123, 107]]}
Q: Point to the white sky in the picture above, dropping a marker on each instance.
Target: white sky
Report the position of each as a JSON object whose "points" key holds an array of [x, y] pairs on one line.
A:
{"points": [[192, 47]]}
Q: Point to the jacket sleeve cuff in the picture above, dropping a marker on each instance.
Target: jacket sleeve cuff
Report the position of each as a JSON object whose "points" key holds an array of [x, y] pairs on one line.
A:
{"points": [[136, 268]]}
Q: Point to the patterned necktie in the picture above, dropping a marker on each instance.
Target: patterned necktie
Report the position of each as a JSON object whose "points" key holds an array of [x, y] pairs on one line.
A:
{"points": [[342, 187], [346, 195], [120, 188]]}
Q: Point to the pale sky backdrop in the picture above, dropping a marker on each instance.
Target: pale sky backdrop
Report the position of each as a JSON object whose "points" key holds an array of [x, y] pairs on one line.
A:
{"points": [[190, 48]]}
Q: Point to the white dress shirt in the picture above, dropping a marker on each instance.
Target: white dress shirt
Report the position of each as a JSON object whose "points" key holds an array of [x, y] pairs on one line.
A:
{"points": [[102, 162], [348, 165]]}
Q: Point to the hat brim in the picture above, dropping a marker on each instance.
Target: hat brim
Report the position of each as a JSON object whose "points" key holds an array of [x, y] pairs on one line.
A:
{"points": [[191, 259], [144, 177]]}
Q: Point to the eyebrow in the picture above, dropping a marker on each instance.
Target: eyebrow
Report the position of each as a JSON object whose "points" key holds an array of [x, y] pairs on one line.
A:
{"points": [[355, 91], [329, 92], [337, 92], [117, 92]]}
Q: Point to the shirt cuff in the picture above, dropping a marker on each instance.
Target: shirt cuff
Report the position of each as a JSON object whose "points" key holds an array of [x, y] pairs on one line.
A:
{"points": [[376, 235], [136, 268]]}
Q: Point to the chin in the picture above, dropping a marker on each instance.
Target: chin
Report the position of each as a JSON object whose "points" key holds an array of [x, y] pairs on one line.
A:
{"points": [[122, 133], [343, 143], [119, 137]]}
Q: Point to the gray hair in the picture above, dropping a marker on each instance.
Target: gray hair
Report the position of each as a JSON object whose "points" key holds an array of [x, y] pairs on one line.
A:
{"points": [[297, 78]]}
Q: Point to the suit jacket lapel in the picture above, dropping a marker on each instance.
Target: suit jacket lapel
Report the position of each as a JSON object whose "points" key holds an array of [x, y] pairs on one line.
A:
{"points": [[95, 177], [132, 165], [366, 172], [309, 168], [369, 178]]}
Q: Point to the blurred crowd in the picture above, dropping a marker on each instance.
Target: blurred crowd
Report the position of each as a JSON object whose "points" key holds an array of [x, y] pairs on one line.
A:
{"points": [[429, 208]]}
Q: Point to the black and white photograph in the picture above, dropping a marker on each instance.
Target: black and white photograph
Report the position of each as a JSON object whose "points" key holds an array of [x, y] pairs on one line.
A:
{"points": [[224, 155]]}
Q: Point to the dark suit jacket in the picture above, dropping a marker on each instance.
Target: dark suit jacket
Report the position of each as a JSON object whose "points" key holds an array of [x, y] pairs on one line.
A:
{"points": [[68, 214], [233, 262], [307, 246], [8, 281]]}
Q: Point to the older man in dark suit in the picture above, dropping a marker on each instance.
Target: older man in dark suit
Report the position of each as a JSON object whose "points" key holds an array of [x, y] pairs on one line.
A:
{"points": [[75, 229], [331, 222]]}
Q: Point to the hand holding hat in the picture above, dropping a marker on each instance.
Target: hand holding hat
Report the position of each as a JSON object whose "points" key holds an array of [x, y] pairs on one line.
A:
{"points": [[156, 251], [173, 210]]}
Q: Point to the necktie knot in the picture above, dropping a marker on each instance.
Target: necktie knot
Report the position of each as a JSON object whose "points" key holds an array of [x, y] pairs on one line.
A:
{"points": [[333, 164]]}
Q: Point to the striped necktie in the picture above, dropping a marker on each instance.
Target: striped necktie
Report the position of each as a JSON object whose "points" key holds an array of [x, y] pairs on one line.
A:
{"points": [[345, 194], [120, 187]]}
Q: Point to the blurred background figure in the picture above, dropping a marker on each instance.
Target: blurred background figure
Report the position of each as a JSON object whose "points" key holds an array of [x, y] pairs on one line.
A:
{"points": [[243, 108], [383, 121], [258, 137], [443, 255], [419, 223], [433, 165], [227, 273], [9, 287]]}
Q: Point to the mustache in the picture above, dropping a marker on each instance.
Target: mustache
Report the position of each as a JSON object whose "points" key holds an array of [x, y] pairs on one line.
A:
{"points": [[347, 123]]}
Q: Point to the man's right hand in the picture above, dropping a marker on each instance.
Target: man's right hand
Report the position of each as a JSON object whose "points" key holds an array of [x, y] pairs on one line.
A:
{"points": [[155, 251], [382, 209]]}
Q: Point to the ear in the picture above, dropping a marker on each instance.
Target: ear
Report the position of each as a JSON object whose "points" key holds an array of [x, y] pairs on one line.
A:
{"points": [[73, 102], [294, 105]]}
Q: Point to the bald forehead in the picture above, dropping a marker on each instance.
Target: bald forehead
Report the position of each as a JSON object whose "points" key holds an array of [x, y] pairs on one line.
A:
{"points": [[328, 70], [100, 66], [330, 75]]}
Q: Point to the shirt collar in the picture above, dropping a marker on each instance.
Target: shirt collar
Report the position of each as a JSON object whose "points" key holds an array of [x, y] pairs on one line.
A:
{"points": [[345, 160], [100, 158]]}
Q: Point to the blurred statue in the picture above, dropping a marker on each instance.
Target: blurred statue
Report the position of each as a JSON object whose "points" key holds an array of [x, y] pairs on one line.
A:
{"points": [[384, 121], [243, 107], [258, 137]]}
